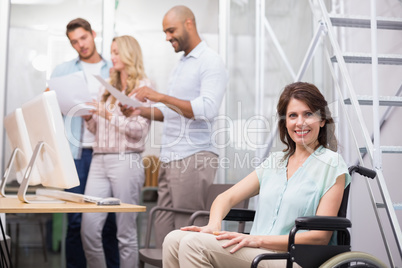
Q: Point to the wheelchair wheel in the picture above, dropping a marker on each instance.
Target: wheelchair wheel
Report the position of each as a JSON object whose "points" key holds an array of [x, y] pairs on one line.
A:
{"points": [[354, 259]]}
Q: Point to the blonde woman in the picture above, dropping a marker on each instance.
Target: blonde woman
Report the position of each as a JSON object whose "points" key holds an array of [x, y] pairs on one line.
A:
{"points": [[116, 169]]}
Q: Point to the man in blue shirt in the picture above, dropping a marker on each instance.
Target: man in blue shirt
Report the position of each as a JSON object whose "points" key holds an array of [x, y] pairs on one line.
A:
{"points": [[189, 159], [81, 37]]}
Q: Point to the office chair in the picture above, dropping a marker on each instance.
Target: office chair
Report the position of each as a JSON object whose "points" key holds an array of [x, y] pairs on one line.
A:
{"points": [[149, 191], [153, 256]]}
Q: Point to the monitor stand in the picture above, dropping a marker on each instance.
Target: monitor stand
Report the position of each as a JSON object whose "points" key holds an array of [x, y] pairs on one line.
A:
{"points": [[25, 182], [7, 173]]}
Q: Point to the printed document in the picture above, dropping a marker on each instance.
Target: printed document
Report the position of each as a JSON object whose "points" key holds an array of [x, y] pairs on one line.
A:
{"points": [[122, 98], [72, 94]]}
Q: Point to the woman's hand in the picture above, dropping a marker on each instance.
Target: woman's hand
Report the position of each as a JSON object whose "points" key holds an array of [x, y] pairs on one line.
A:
{"points": [[129, 111], [204, 229], [239, 240], [210, 228], [100, 109], [94, 104], [87, 117]]}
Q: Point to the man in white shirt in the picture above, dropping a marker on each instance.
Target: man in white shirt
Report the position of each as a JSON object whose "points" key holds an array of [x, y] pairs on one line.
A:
{"points": [[195, 92]]}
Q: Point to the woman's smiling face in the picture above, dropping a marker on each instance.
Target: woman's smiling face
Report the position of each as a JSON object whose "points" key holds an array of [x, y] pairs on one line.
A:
{"points": [[302, 124], [118, 64]]}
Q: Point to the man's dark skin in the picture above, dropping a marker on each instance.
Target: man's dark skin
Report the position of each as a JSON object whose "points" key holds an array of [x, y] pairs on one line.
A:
{"points": [[180, 29]]}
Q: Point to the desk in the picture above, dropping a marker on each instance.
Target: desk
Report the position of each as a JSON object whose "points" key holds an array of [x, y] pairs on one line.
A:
{"points": [[14, 205]]}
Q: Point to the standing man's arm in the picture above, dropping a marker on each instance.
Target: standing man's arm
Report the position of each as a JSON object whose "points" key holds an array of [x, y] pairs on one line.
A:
{"points": [[213, 83], [151, 113], [182, 107], [213, 77]]}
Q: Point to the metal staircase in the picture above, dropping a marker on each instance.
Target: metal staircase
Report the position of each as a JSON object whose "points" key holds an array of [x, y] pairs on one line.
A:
{"points": [[337, 64], [326, 39]]}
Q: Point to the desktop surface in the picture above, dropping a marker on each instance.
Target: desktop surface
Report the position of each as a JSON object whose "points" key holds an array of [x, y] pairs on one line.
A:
{"points": [[14, 205]]}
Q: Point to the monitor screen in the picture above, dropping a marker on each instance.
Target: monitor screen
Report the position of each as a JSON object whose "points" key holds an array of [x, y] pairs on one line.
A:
{"points": [[20, 145], [51, 151]]}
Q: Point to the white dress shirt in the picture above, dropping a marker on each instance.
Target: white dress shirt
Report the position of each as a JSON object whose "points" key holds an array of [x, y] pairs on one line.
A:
{"points": [[201, 78]]}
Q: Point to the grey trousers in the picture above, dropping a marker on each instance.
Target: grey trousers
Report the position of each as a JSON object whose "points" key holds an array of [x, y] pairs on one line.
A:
{"points": [[192, 249], [120, 176], [183, 184]]}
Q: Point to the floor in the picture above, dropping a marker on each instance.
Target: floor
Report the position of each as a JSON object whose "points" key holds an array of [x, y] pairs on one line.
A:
{"points": [[30, 250]]}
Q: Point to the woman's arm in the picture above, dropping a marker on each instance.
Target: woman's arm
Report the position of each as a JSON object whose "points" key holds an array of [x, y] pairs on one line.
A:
{"points": [[246, 188], [91, 123], [329, 206], [91, 119], [134, 128]]}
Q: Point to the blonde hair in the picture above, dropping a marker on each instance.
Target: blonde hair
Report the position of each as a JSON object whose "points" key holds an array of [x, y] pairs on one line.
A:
{"points": [[131, 55]]}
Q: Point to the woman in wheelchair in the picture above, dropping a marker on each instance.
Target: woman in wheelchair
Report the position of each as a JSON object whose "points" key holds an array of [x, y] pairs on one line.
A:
{"points": [[307, 178]]}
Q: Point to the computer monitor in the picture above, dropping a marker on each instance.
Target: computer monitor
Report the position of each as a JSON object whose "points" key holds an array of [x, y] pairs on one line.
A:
{"points": [[18, 138], [51, 151]]}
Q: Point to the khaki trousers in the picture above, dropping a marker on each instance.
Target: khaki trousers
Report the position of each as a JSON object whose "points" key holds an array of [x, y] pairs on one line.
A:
{"points": [[183, 184], [192, 249]]}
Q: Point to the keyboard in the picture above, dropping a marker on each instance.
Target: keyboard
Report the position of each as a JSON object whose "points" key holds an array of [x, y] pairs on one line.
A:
{"points": [[77, 198]]}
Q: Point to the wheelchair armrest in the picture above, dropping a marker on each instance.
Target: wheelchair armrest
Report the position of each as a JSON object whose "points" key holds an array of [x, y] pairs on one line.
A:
{"points": [[322, 223], [240, 214], [175, 210], [235, 214]]}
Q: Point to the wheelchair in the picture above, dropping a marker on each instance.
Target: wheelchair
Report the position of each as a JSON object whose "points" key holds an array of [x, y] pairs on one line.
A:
{"points": [[310, 256]]}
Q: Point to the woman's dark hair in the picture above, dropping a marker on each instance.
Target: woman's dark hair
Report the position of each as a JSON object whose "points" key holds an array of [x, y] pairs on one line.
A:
{"points": [[312, 97], [78, 23]]}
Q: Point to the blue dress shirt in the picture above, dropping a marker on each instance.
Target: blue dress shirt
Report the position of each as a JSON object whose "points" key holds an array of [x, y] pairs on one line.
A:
{"points": [[74, 136]]}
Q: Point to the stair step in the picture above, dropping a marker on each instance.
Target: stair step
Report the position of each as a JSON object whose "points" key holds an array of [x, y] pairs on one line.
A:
{"points": [[365, 58], [397, 206], [386, 149], [364, 22], [384, 100]]}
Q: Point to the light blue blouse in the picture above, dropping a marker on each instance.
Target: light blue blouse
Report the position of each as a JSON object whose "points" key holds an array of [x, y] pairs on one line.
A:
{"points": [[281, 200]]}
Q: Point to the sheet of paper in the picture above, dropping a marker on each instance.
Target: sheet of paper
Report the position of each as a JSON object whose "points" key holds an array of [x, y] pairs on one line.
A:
{"points": [[122, 98], [72, 94]]}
